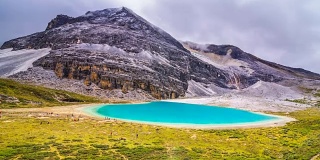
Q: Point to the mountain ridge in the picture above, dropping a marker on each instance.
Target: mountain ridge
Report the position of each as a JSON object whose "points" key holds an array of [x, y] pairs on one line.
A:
{"points": [[240, 54]]}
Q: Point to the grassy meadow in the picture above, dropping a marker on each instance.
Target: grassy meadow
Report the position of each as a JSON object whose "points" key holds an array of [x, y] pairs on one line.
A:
{"points": [[23, 136], [17, 95]]}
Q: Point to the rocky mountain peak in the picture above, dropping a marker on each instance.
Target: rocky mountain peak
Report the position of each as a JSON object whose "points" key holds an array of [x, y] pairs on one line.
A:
{"points": [[126, 18], [109, 12], [59, 21], [104, 12], [118, 16], [114, 26], [122, 17]]}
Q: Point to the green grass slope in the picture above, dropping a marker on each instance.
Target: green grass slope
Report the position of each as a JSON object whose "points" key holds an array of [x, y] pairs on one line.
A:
{"points": [[26, 137], [17, 95]]}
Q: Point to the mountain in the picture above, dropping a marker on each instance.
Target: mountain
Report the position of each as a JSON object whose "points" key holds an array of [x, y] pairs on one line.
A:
{"points": [[236, 62], [116, 49], [233, 58]]}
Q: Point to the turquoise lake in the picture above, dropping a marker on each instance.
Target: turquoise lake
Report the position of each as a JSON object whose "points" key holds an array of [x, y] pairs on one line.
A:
{"points": [[180, 113]]}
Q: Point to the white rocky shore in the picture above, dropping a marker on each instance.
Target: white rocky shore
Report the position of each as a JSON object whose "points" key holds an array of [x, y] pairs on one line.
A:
{"points": [[246, 103], [262, 97]]}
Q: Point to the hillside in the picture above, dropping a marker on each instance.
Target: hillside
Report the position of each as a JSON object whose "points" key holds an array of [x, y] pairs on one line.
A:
{"points": [[14, 95]]}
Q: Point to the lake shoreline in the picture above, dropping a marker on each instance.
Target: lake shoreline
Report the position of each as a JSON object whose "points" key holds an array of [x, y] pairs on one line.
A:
{"points": [[280, 121], [87, 110]]}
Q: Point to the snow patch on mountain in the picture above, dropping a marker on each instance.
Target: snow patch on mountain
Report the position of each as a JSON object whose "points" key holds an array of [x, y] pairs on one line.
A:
{"points": [[105, 12], [197, 88], [12, 62], [224, 62], [136, 59]]}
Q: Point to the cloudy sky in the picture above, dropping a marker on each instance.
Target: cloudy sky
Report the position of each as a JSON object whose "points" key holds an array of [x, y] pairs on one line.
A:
{"points": [[282, 31]]}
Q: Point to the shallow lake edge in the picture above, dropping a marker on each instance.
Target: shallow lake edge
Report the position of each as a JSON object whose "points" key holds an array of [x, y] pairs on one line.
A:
{"points": [[280, 121]]}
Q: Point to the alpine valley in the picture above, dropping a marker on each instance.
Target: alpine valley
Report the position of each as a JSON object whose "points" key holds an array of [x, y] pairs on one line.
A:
{"points": [[110, 85]]}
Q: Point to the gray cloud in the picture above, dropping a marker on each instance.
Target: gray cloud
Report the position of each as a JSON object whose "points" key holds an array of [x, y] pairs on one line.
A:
{"points": [[23, 17], [286, 32]]}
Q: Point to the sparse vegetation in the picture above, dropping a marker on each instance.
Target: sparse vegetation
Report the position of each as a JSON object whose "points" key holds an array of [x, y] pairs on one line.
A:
{"points": [[318, 95], [15, 95], [314, 92], [24, 137], [302, 101]]}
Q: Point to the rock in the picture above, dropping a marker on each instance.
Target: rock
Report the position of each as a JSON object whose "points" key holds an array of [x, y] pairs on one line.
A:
{"points": [[47, 78], [8, 99], [59, 21], [122, 139]]}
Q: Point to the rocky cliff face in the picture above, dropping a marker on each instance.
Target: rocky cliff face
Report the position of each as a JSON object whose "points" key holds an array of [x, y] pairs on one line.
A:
{"points": [[117, 49]]}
